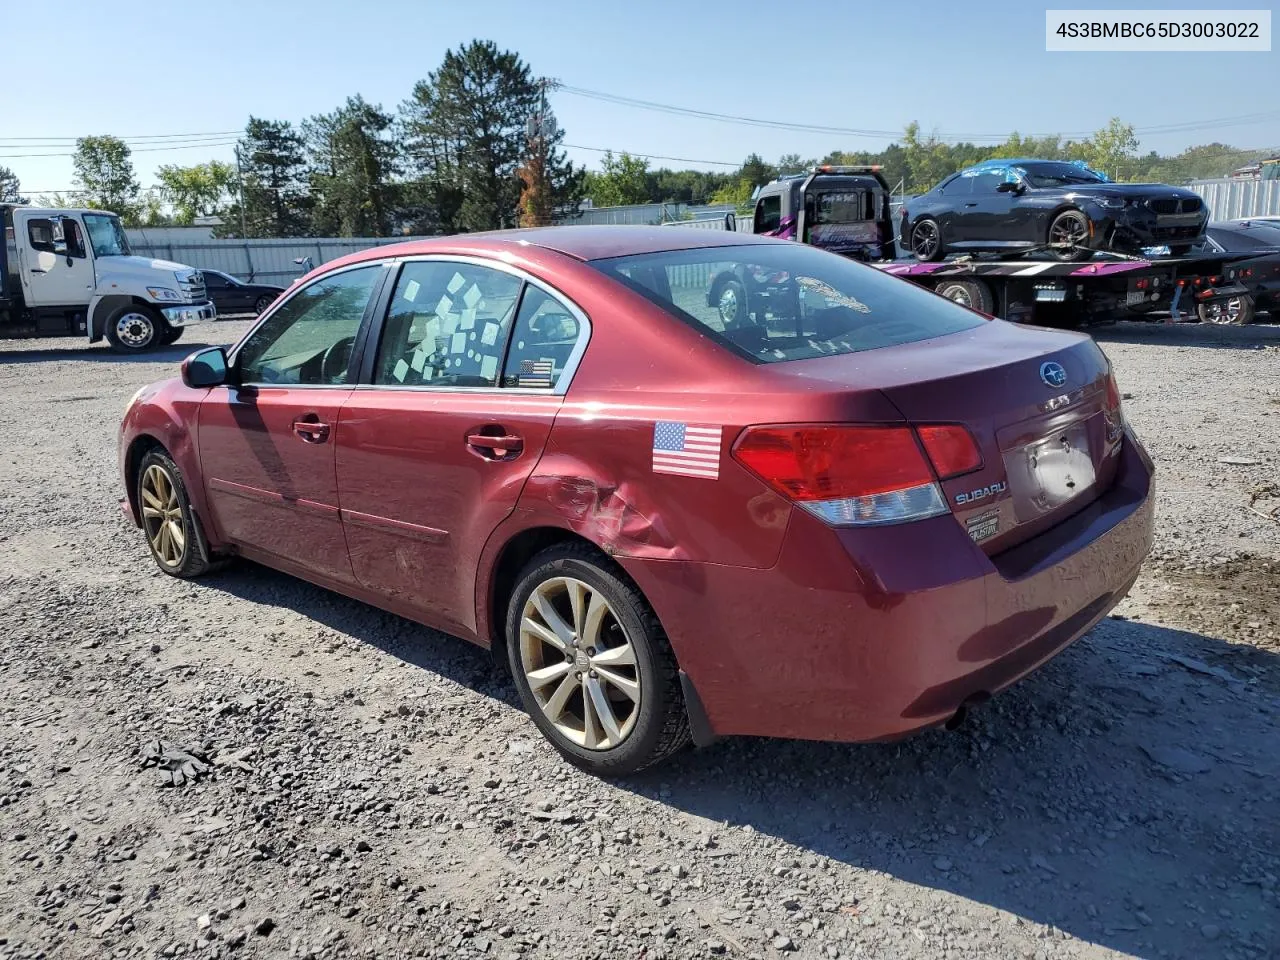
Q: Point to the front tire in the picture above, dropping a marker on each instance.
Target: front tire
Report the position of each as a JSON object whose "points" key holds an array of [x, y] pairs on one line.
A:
{"points": [[1069, 237], [731, 303], [135, 329], [171, 335], [593, 665], [926, 241], [264, 301], [174, 535]]}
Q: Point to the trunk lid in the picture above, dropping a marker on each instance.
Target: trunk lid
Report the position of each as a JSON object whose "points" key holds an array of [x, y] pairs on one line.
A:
{"points": [[1037, 403]]}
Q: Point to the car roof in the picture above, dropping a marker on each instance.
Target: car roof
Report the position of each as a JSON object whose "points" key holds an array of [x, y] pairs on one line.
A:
{"points": [[588, 242]]}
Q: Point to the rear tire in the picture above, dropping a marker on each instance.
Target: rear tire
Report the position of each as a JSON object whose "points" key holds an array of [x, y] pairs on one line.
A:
{"points": [[173, 531], [582, 636], [135, 329], [926, 240], [973, 294], [1234, 312], [262, 303]]}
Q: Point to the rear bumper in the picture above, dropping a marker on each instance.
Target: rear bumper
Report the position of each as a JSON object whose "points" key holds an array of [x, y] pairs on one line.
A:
{"points": [[188, 314], [872, 634]]}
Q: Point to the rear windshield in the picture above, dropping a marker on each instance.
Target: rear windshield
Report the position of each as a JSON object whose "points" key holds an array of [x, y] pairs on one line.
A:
{"points": [[788, 301]]}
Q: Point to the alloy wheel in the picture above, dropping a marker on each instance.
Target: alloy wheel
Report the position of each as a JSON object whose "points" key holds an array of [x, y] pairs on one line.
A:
{"points": [[925, 239], [580, 664], [162, 516], [1227, 312], [1069, 232], [135, 329]]}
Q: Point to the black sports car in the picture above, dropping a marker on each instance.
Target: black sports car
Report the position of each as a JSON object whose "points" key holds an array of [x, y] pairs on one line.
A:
{"points": [[230, 295], [1064, 208]]}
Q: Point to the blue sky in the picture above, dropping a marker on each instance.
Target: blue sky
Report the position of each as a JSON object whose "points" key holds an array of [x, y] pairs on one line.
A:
{"points": [[957, 68]]}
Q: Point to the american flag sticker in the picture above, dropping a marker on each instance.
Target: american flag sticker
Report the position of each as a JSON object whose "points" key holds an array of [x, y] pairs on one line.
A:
{"points": [[686, 449], [536, 373]]}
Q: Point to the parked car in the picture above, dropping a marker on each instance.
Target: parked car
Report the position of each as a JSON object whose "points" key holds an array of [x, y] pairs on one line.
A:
{"points": [[230, 295], [545, 442], [1260, 238], [1064, 209]]}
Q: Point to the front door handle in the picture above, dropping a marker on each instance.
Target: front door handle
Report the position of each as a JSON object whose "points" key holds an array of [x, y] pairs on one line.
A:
{"points": [[970, 204], [500, 445], [38, 270], [311, 431]]}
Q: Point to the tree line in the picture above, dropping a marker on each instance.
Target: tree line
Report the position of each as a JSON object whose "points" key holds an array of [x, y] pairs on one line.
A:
{"points": [[475, 147]]}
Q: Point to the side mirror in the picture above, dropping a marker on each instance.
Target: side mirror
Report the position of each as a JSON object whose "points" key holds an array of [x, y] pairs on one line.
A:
{"points": [[205, 368], [731, 223], [1009, 186]]}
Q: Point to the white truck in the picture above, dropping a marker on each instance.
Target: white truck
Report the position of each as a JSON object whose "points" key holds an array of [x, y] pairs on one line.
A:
{"points": [[70, 273]]}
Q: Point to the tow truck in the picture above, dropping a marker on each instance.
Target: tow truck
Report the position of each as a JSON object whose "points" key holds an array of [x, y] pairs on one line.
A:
{"points": [[845, 209]]}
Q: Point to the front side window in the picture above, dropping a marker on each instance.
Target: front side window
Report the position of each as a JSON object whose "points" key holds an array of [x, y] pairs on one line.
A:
{"points": [[447, 325], [106, 235], [545, 335], [802, 303], [309, 338]]}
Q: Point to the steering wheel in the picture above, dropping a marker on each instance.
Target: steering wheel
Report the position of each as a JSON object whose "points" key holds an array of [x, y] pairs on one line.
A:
{"points": [[336, 359]]}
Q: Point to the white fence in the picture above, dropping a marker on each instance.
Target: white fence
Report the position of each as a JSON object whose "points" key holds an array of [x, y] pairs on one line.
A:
{"points": [[1235, 199], [263, 261]]}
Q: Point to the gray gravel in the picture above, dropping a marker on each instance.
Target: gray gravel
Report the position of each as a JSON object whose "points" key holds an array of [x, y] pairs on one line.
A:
{"points": [[364, 787]]}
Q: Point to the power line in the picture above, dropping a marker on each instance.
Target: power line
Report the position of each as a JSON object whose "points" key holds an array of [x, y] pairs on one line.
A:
{"points": [[181, 146], [140, 136], [1180, 127], [650, 156]]}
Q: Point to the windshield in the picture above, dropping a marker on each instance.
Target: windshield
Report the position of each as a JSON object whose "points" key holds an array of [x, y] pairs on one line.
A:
{"points": [[770, 303], [1059, 174], [106, 234], [843, 207]]}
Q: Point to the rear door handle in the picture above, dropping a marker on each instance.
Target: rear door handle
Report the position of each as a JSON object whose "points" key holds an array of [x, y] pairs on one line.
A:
{"points": [[970, 204], [38, 270], [311, 431]]}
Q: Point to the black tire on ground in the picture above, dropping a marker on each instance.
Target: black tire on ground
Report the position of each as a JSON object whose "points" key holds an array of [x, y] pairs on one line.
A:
{"points": [[661, 725], [135, 329], [974, 294], [1069, 226], [171, 335], [262, 303], [926, 240], [1236, 311], [731, 303], [195, 558]]}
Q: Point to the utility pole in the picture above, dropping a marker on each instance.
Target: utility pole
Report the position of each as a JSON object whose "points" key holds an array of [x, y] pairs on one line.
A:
{"points": [[540, 128], [244, 230]]}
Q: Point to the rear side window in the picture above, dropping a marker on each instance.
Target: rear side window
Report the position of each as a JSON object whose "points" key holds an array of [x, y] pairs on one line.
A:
{"points": [[776, 302], [542, 343], [447, 325]]}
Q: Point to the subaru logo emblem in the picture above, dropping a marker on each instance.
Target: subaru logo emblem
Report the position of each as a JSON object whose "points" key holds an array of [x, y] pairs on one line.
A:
{"points": [[1052, 374]]}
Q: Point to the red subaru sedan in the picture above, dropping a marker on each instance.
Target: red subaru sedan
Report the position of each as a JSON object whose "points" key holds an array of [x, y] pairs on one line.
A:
{"points": [[849, 513]]}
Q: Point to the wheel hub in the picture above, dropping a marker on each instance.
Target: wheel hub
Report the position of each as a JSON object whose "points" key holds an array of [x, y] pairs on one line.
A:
{"points": [[134, 329]]}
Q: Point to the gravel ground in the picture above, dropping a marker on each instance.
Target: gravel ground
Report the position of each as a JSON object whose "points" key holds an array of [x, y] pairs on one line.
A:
{"points": [[361, 786]]}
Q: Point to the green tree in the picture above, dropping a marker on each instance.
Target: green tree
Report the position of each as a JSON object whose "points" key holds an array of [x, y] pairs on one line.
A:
{"points": [[353, 160], [757, 171], [200, 190], [104, 171], [738, 193], [274, 173], [1112, 149], [550, 186], [10, 187], [466, 129], [621, 180]]}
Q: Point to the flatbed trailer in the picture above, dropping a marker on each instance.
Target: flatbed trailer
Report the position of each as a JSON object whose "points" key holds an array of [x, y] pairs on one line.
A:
{"points": [[1087, 293]]}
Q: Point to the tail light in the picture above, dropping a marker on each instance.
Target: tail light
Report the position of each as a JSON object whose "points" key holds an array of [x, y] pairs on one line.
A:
{"points": [[852, 475], [951, 448]]}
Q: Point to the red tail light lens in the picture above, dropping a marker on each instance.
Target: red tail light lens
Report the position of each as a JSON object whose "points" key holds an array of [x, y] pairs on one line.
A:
{"points": [[951, 448], [846, 475]]}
